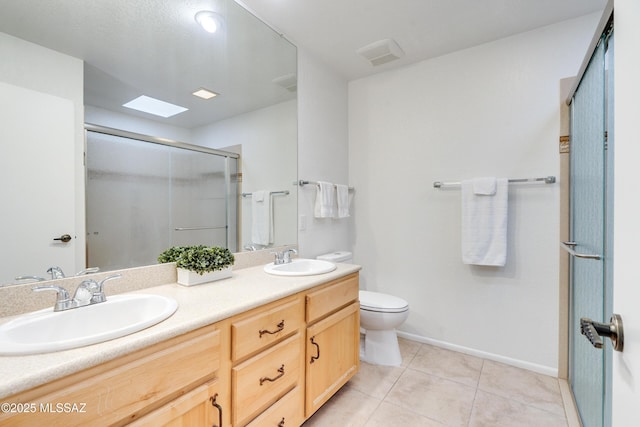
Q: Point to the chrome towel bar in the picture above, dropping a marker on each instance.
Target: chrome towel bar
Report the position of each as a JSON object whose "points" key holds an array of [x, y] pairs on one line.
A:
{"points": [[546, 180], [273, 193]]}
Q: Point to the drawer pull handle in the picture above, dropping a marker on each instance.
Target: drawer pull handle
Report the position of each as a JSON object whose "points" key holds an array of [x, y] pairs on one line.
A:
{"points": [[265, 331], [280, 375], [215, 404], [281, 423], [314, 358]]}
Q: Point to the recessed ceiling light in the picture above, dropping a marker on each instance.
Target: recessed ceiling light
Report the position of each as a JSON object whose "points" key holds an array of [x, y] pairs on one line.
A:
{"points": [[209, 20], [154, 106], [204, 93]]}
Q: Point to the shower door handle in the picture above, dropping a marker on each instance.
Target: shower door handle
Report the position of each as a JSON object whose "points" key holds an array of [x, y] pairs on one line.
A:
{"points": [[568, 246], [594, 331]]}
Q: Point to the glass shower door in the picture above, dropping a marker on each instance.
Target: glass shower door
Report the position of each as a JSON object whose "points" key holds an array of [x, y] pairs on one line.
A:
{"points": [[588, 236], [142, 198]]}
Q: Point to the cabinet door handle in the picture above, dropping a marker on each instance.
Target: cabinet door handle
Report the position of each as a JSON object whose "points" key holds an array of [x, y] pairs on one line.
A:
{"points": [[280, 327], [314, 358], [281, 423], [280, 375], [215, 404]]}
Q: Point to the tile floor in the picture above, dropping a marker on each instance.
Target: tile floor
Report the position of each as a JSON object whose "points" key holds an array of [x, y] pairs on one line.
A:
{"points": [[438, 387]]}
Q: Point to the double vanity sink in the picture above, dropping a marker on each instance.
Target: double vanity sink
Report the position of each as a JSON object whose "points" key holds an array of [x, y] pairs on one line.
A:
{"points": [[47, 331]]}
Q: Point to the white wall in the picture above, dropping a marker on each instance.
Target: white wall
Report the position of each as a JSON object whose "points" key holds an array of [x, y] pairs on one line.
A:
{"points": [[492, 110], [322, 152], [269, 158]]}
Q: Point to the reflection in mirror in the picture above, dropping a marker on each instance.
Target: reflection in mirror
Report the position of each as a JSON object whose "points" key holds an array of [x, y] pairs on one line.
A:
{"points": [[143, 197], [74, 61]]}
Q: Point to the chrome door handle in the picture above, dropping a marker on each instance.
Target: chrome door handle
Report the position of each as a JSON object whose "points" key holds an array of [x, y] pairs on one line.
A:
{"points": [[568, 246]]}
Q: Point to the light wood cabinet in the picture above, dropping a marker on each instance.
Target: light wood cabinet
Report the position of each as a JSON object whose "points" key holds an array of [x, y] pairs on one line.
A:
{"points": [[332, 340], [267, 352], [199, 407], [272, 366], [121, 391]]}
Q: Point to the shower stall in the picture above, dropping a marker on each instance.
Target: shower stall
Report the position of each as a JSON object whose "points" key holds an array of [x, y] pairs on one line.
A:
{"points": [[146, 194]]}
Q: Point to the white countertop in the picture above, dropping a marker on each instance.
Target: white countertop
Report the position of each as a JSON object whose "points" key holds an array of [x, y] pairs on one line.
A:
{"points": [[198, 306]]}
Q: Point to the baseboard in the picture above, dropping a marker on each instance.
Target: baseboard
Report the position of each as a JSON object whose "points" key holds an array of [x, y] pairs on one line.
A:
{"points": [[546, 370]]}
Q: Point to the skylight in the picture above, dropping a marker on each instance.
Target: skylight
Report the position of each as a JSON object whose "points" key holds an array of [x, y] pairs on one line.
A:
{"points": [[146, 104]]}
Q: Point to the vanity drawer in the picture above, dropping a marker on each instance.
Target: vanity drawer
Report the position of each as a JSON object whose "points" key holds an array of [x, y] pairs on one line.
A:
{"points": [[119, 391], [263, 379], [337, 294], [258, 331], [288, 411]]}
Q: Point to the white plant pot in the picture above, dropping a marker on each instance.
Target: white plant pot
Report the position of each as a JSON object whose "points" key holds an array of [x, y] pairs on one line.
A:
{"points": [[190, 278]]}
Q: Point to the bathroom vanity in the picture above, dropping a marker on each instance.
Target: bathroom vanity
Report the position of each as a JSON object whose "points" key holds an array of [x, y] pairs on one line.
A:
{"points": [[253, 350]]}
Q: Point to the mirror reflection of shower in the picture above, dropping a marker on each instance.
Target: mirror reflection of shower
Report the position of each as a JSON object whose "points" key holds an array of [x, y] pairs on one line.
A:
{"points": [[144, 194]]}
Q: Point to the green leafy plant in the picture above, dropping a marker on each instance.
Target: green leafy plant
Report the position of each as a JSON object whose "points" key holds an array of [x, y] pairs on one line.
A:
{"points": [[200, 259]]}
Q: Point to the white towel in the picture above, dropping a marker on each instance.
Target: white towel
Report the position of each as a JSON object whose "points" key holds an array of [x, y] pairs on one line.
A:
{"points": [[342, 197], [261, 218], [484, 222], [325, 200]]}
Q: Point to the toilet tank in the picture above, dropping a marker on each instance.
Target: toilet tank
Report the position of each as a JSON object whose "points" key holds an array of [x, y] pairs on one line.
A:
{"points": [[338, 256]]}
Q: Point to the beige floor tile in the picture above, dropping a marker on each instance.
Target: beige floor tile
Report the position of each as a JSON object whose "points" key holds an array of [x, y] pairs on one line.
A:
{"points": [[347, 408], [530, 388], [494, 411], [433, 397], [375, 380], [448, 364], [391, 415], [408, 350]]}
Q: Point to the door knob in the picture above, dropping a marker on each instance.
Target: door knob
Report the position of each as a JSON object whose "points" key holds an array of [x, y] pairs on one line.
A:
{"points": [[594, 331], [64, 238]]}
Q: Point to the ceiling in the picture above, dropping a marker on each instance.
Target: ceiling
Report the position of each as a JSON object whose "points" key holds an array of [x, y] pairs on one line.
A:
{"points": [[156, 48], [332, 30]]}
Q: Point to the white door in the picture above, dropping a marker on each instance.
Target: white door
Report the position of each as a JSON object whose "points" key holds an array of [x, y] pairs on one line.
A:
{"points": [[626, 287], [37, 196]]}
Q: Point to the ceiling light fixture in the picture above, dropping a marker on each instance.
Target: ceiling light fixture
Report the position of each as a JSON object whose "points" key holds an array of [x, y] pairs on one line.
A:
{"points": [[204, 93], [146, 104], [209, 20]]}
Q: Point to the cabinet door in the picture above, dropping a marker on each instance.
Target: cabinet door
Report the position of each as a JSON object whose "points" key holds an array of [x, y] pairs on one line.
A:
{"points": [[333, 351], [199, 407]]}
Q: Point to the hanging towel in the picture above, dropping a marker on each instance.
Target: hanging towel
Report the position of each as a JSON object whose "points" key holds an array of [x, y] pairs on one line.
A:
{"points": [[342, 197], [484, 221], [325, 200], [261, 218]]}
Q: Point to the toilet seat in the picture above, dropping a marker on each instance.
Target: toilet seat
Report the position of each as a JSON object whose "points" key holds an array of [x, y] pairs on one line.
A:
{"points": [[382, 303]]}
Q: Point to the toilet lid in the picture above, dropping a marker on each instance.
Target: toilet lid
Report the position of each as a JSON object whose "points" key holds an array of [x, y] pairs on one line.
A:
{"points": [[374, 301]]}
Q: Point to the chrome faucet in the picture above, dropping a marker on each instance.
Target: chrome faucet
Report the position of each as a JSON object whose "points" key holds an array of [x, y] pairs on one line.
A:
{"points": [[283, 257], [56, 273], [88, 292]]}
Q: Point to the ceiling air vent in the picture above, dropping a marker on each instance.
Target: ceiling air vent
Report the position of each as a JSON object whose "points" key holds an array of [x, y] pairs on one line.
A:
{"points": [[381, 52], [288, 81]]}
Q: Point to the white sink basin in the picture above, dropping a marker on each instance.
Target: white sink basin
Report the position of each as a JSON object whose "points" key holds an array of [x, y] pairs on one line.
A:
{"points": [[300, 267], [46, 331]]}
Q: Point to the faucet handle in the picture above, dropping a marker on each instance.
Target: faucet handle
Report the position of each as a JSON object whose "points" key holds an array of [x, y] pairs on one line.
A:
{"points": [[62, 299], [286, 255], [98, 294], [279, 257]]}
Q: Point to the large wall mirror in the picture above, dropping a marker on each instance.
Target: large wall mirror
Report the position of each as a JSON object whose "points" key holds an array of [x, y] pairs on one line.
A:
{"points": [[67, 69]]}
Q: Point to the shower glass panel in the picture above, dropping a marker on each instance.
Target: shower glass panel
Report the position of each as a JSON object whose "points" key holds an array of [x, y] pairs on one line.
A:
{"points": [[588, 218], [142, 198]]}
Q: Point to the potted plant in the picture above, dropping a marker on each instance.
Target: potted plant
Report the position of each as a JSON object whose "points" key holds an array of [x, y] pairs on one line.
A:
{"points": [[199, 264]]}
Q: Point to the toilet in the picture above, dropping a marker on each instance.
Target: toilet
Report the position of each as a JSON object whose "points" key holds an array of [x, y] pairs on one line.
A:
{"points": [[380, 315]]}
